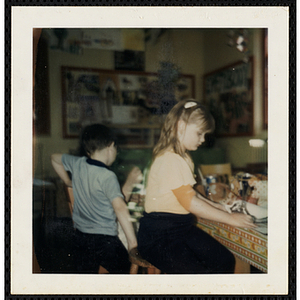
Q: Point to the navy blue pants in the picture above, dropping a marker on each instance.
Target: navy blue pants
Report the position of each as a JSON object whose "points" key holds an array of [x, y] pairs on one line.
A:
{"points": [[93, 250], [174, 244]]}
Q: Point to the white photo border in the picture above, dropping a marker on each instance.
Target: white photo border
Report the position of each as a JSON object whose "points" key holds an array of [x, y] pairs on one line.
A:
{"points": [[24, 19]]}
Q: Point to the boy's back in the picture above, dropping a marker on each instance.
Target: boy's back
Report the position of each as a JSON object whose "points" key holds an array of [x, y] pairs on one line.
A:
{"points": [[94, 188]]}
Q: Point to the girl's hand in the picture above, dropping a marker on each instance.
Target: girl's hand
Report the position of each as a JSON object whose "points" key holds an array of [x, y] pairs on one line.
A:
{"points": [[242, 220]]}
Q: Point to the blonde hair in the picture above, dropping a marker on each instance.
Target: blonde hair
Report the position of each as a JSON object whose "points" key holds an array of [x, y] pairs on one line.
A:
{"points": [[191, 112]]}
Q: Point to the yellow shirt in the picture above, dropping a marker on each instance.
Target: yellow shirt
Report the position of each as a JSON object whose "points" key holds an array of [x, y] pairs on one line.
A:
{"points": [[168, 172]]}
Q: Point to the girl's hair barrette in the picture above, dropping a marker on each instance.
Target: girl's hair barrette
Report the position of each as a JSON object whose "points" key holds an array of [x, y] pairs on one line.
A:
{"points": [[190, 104]]}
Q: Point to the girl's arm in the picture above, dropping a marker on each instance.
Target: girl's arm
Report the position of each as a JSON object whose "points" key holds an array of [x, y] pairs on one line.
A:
{"points": [[60, 170], [123, 216], [135, 176], [205, 210], [212, 203]]}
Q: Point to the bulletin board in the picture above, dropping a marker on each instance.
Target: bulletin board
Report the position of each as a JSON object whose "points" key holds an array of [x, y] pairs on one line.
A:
{"points": [[265, 102], [228, 92], [103, 96]]}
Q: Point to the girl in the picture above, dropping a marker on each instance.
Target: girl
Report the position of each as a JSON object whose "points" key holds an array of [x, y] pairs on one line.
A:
{"points": [[168, 237]]}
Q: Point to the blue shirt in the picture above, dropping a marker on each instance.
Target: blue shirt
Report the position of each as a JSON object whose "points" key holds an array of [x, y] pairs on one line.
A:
{"points": [[94, 188]]}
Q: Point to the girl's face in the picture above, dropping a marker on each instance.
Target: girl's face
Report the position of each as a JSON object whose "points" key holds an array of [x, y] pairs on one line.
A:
{"points": [[191, 136]]}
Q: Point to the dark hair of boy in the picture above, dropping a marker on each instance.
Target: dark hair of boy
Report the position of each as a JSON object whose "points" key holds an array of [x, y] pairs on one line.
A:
{"points": [[96, 137]]}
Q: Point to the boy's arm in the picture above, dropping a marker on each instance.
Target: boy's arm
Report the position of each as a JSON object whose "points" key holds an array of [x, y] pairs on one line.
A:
{"points": [[135, 176], [59, 169], [123, 216]]}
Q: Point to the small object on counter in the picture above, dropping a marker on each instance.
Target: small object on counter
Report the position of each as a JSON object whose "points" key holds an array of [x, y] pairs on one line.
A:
{"points": [[140, 188], [208, 180], [258, 214], [234, 184], [262, 203], [200, 189], [140, 177], [221, 193], [252, 200], [131, 205], [137, 214], [259, 189], [218, 191], [135, 198], [244, 187]]}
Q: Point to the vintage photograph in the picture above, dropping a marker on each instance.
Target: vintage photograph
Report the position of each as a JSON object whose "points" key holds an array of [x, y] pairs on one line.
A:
{"points": [[151, 158]]}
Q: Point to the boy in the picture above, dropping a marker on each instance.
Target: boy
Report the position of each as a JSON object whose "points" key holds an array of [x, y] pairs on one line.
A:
{"points": [[98, 203]]}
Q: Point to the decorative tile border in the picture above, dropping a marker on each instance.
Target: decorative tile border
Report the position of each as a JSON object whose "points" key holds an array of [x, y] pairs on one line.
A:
{"points": [[248, 245]]}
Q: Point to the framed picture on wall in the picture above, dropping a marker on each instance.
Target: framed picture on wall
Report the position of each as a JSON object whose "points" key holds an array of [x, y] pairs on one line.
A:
{"points": [[228, 92], [130, 60], [265, 102], [127, 99]]}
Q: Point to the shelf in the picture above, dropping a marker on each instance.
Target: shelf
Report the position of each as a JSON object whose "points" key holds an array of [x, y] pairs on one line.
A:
{"points": [[137, 146], [136, 126], [137, 135]]}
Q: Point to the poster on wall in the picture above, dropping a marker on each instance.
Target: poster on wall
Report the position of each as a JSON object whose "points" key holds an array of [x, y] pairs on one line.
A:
{"points": [[265, 102], [113, 97], [130, 60], [229, 94], [81, 105]]}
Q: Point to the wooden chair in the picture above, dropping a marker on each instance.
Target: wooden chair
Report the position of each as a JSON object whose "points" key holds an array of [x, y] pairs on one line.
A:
{"points": [[218, 169], [137, 261], [134, 256], [70, 199]]}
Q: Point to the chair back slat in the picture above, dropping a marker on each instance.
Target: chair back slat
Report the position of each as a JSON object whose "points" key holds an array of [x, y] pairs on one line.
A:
{"points": [[70, 199], [219, 169]]}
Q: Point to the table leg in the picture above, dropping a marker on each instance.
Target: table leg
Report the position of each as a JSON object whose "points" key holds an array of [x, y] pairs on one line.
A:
{"points": [[134, 269], [153, 270], [35, 264], [241, 267], [102, 270]]}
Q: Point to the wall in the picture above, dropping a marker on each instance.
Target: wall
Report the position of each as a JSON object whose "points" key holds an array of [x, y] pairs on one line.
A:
{"points": [[54, 143], [195, 51], [218, 54], [185, 49], [177, 46]]}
